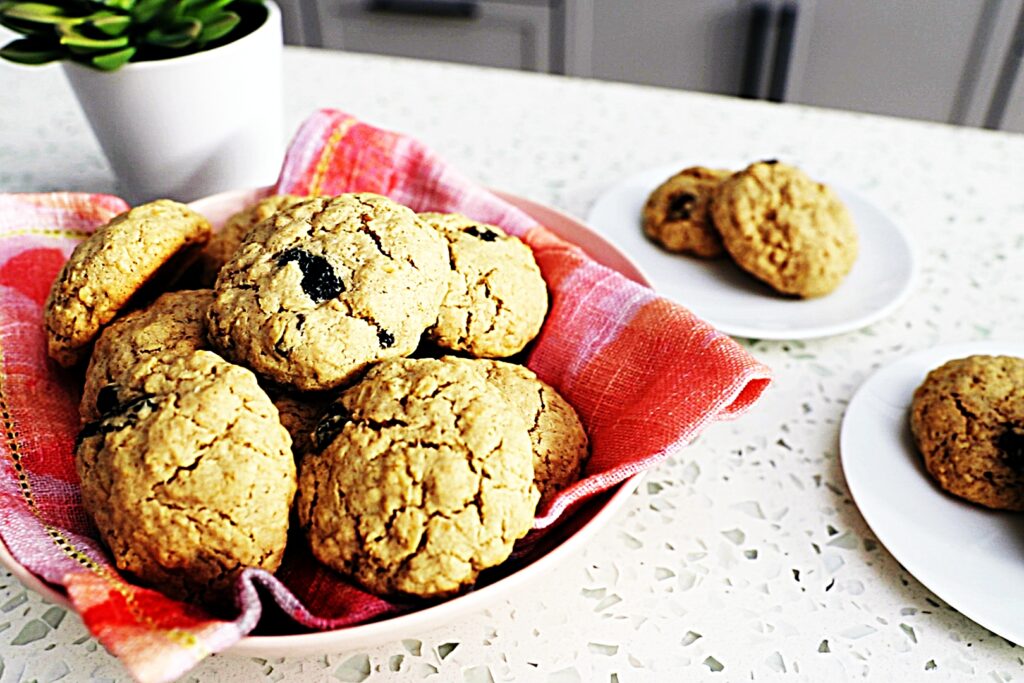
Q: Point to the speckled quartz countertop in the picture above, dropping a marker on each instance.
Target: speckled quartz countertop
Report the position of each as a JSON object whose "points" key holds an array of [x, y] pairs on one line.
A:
{"points": [[741, 558]]}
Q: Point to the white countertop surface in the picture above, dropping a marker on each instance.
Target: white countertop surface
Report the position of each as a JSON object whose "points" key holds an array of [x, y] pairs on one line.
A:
{"points": [[668, 591]]}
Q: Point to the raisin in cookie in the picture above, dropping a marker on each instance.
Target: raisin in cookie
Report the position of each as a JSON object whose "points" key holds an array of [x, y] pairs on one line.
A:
{"points": [[677, 215], [785, 229], [497, 299], [190, 479], [226, 241], [968, 422], [109, 267], [173, 325], [322, 289], [424, 479], [559, 441]]}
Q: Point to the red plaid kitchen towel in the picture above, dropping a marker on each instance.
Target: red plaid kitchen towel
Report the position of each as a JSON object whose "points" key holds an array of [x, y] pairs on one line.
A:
{"points": [[645, 375]]}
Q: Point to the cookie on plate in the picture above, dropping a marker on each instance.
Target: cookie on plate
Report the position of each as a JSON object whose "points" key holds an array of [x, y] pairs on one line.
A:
{"points": [[967, 419], [785, 229], [324, 288], [190, 479], [559, 441], [677, 215], [424, 478], [497, 298], [225, 242], [109, 267], [173, 325]]}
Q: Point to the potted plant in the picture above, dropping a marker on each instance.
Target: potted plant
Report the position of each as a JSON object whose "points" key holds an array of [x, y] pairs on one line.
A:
{"points": [[184, 96]]}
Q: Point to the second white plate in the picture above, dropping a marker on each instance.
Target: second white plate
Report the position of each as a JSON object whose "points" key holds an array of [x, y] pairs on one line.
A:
{"points": [[734, 302], [970, 556]]}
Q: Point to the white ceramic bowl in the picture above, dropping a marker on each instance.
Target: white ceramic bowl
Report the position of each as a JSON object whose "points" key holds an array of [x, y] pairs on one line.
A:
{"points": [[563, 542]]}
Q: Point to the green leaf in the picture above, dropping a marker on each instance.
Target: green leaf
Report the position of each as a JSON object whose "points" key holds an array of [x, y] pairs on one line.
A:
{"points": [[31, 9], [72, 38], [177, 36], [112, 24], [219, 27], [125, 5], [113, 60], [146, 10], [27, 28], [36, 13], [173, 13], [30, 51], [206, 10]]}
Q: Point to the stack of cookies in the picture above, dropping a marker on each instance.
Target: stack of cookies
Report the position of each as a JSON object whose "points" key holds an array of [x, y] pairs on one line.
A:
{"points": [[320, 338], [777, 224]]}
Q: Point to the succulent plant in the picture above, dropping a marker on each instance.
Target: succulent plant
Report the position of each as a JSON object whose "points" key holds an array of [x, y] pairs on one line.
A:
{"points": [[106, 34]]}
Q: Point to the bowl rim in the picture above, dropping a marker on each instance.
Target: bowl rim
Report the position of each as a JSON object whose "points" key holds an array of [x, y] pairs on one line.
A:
{"points": [[463, 605]]}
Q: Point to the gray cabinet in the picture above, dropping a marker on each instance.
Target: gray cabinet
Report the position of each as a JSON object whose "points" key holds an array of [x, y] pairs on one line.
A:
{"points": [[943, 60], [693, 44], [1012, 118], [292, 21], [1006, 108], [927, 59], [518, 35]]}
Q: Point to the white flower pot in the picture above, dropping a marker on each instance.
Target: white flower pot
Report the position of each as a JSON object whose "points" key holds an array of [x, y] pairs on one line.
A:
{"points": [[190, 126]]}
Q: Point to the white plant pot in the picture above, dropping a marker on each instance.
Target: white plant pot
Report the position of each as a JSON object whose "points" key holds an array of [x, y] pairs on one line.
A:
{"points": [[190, 126]]}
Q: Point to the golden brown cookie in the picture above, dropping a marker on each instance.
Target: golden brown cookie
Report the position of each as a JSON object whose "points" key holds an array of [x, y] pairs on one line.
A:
{"points": [[190, 479], [677, 215], [109, 267], [423, 480], [968, 422], [322, 289], [225, 242], [785, 229], [173, 325], [559, 441], [497, 298]]}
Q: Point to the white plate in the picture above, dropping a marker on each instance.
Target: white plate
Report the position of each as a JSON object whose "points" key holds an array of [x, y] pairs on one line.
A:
{"points": [[734, 302], [561, 544], [971, 557]]}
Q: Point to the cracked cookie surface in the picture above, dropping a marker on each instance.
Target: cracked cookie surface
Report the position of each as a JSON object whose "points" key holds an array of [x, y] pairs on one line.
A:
{"points": [[173, 325], [967, 418], [424, 479], [190, 478], [785, 229], [320, 290], [560, 445], [677, 215], [109, 267], [224, 242], [497, 298]]}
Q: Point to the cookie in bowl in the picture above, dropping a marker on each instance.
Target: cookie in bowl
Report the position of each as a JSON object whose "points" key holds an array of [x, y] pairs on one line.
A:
{"points": [[967, 418], [108, 269], [420, 478], [173, 325], [225, 242], [324, 288], [560, 445], [496, 299], [189, 478]]}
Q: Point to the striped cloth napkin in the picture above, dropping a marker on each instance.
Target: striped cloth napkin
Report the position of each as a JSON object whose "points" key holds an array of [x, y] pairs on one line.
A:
{"points": [[645, 375]]}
